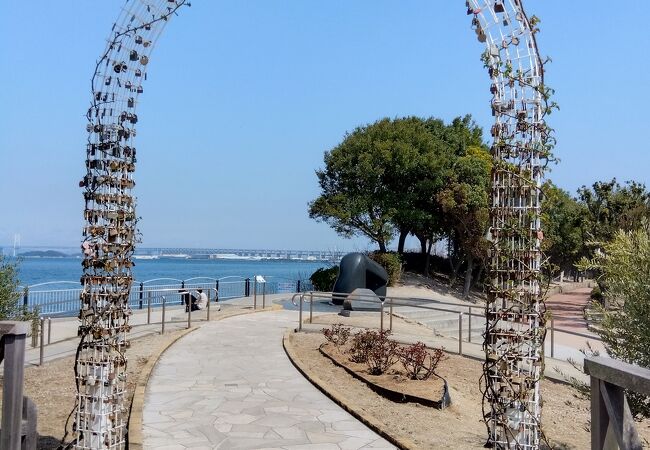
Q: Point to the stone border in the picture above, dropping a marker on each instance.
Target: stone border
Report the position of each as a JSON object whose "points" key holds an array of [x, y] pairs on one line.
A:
{"points": [[389, 394], [134, 438], [338, 398]]}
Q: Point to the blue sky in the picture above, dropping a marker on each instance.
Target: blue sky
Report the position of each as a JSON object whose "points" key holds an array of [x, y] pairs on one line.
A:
{"points": [[243, 98]]}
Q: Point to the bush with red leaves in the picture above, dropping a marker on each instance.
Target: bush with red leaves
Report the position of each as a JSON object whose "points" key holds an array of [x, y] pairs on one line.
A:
{"points": [[337, 334], [419, 362]]}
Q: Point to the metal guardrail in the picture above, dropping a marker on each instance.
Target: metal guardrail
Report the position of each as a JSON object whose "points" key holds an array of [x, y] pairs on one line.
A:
{"points": [[389, 303], [65, 301]]}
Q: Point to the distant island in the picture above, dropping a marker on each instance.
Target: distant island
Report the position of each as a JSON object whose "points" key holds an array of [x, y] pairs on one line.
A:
{"points": [[43, 254]]}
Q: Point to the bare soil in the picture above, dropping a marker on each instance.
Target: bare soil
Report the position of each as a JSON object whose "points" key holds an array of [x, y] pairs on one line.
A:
{"points": [[52, 388], [565, 413]]}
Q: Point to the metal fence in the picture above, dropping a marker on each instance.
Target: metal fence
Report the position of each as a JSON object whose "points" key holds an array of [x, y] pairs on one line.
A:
{"points": [[59, 298]]}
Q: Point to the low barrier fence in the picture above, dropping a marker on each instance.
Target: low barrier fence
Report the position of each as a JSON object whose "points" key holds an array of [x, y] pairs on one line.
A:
{"points": [[59, 298], [465, 314]]}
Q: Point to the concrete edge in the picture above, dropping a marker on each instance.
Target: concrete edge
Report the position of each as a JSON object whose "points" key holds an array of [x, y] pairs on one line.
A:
{"points": [[134, 440], [340, 400]]}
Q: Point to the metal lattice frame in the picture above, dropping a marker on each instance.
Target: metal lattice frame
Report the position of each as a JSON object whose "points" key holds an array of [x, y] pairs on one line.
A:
{"points": [[515, 311], [110, 232]]}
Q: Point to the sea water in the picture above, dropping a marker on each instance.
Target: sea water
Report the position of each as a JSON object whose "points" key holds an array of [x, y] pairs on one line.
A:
{"points": [[41, 270]]}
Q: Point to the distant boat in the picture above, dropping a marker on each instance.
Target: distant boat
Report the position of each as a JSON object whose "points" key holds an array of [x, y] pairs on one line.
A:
{"points": [[145, 256]]}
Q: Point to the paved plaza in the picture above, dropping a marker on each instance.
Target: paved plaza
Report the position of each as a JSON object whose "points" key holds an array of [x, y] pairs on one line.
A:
{"points": [[229, 385]]}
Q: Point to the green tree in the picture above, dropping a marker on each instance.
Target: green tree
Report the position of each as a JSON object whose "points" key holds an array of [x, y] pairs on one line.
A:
{"points": [[561, 219], [464, 203], [10, 305], [369, 185], [624, 267], [610, 206]]}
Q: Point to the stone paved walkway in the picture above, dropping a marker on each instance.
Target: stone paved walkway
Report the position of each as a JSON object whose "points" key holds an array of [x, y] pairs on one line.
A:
{"points": [[229, 385]]}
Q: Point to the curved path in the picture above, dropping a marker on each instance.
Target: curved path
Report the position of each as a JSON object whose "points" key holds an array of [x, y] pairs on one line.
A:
{"points": [[229, 385]]}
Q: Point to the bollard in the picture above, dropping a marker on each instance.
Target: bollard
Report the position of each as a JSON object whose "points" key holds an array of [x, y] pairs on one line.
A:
{"points": [[49, 330], [469, 325], [163, 315], [42, 350], [390, 324], [300, 314], [552, 337], [148, 307], [208, 314], [189, 313], [381, 317], [311, 307], [460, 333], [247, 287]]}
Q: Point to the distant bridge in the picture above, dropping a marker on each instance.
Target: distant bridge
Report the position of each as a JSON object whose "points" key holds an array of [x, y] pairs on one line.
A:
{"points": [[225, 253]]}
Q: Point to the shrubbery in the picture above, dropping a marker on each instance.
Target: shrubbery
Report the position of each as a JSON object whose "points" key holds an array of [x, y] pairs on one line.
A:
{"points": [[392, 262], [380, 353], [418, 362], [323, 279]]}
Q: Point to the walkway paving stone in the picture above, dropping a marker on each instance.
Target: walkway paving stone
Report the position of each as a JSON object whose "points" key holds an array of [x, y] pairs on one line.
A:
{"points": [[229, 385]]}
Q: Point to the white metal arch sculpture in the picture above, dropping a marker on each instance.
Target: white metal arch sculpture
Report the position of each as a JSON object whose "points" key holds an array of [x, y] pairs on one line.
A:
{"points": [[515, 311]]}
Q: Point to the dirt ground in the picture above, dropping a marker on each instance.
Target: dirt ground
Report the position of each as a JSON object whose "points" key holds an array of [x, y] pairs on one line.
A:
{"points": [[52, 388], [565, 413]]}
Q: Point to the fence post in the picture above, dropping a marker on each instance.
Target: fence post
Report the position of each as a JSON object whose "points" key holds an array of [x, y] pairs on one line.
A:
{"points": [[297, 285], [141, 294], [12, 396], [189, 312], [182, 284], [255, 294], [41, 352], [469, 325], [247, 288], [163, 315], [216, 291], [300, 314], [263, 295], [381, 314], [311, 307], [148, 307], [26, 297], [390, 323], [208, 316], [49, 330], [552, 337], [460, 333]]}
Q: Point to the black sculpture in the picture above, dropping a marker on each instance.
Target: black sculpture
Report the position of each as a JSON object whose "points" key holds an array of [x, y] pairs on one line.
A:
{"points": [[357, 271]]}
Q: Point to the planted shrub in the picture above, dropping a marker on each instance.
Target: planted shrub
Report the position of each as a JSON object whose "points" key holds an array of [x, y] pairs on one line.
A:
{"points": [[392, 262], [382, 354], [324, 279], [419, 363], [360, 346], [337, 334]]}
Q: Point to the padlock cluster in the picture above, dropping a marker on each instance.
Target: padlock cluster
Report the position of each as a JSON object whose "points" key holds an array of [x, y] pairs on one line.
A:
{"points": [[515, 311], [110, 231]]}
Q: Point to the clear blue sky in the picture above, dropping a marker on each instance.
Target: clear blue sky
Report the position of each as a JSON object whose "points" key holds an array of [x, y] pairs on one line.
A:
{"points": [[243, 97]]}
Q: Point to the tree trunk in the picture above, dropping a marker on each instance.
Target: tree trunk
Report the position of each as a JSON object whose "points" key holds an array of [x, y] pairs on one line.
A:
{"points": [[423, 244], [477, 278], [427, 261], [382, 245], [454, 271], [468, 275], [402, 240]]}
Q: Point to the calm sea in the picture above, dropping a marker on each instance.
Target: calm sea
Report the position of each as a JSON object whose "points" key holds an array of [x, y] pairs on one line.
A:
{"points": [[41, 270]]}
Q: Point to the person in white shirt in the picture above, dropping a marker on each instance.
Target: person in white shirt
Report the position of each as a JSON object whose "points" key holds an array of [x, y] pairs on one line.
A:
{"points": [[202, 301]]}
